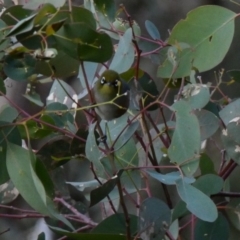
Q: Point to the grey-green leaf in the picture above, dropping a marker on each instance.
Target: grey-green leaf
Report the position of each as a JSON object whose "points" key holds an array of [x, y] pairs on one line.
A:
{"points": [[154, 218], [197, 202], [185, 146], [124, 57], [152, 30]]}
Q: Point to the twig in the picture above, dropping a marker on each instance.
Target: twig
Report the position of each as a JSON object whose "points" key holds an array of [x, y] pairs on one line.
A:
{"points": [[228, 169], [166, 144], [5, 231], [125, 211], [75, 211], [40, 121], [227, 194]]}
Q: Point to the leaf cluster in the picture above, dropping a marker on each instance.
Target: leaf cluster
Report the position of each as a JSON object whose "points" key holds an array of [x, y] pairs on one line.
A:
{"points": [[153, 142]]}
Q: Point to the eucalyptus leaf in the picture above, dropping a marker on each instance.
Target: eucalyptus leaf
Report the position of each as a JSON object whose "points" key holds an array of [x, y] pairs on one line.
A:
{"points": [[102, 191], [208, 122], [234, 74], [231, 140], [230, 112], [185, 146], [210, 42], [116, 223], [124, 56], [218, 230], [154, 219], [93, 154], [19, 68], [170, 178], [202, 183], [233, 210], [83, 43], [21, 171], [197, 202], [8, 113], [198, 95], [152, 30], [22, 26]]}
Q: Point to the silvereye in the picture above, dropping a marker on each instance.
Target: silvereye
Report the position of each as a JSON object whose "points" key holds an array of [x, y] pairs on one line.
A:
{"points": [[108, 87]]}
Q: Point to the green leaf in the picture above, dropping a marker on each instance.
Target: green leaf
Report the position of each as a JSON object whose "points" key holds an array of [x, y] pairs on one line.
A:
{"points": [[230, 112], [81, 42], [46, 9], [45, 179], [197, 202], [234, 74], [116, 224], [61, 115], [107, 7], [212, 29], [117, 130], [152, 30], [231, 140], [31, 40], [8, 113], [89, 236], [22, 174], [180, 210], [218, 230], [170, 178], [213, 108], [22, 26], [41, 236], [11, 15], [19, 68], [34, 98], [77, 15], [9, 134], [185, 146], [58, 66], [124, 56], [206, 165], [35, 4], [4, 42], [174, 229], [149, 91], [154, 218], [4, 177], [202, 183], [103, 190], [198, 95], [208, 122], [233, 210], [93, 154]]}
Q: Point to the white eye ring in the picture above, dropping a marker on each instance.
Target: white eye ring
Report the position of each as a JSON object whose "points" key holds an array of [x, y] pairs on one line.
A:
{"points": [[116, 82], [103, 80]]}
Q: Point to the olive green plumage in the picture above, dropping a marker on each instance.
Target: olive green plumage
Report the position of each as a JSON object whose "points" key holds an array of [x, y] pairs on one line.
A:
{"points": [[108, 87]]}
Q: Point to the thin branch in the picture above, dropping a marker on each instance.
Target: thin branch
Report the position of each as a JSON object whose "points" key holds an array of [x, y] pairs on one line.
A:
{"points": [[125, 211], [86, 219]]}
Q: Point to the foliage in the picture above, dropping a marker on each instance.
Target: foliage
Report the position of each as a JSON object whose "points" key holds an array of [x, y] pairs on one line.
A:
{"points": [[44, 43]]}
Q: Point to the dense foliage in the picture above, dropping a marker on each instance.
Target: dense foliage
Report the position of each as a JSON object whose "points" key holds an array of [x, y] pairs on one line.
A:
{"points": [[151, 178]]}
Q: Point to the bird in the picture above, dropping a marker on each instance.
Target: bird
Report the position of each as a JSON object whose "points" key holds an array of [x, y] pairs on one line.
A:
{"points": [[110, 87]]}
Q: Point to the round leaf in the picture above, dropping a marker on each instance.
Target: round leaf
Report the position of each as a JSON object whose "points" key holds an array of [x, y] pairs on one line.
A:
{"points": [[210, 42]]}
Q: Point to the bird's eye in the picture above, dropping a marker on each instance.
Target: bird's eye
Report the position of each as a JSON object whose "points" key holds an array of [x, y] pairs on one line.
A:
{"points": [[116, 83], [103, 80]]}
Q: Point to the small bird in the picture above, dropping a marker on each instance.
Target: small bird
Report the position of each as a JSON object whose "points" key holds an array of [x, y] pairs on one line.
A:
{"points": [[108, 87]]}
